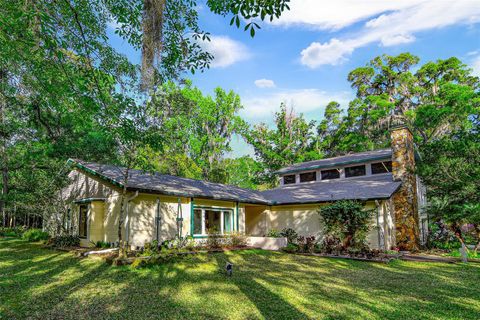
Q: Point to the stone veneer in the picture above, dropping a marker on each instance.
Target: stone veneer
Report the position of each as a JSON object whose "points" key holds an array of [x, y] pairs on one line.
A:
{"points": [[405, 199]]}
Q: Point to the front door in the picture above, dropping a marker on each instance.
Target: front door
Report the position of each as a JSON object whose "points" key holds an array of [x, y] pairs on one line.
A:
{"points": [[83, 221]]}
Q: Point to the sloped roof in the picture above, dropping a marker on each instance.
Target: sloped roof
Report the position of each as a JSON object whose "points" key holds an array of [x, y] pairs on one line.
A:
{"points": [[359, 157], [361, 188], [171, 185]]}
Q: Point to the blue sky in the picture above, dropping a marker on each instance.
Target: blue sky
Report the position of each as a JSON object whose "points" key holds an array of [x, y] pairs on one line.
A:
{"points": [[304, 58]]}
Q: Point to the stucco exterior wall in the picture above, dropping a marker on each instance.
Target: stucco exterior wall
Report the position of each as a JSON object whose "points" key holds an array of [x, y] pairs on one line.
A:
{"points": [[142, 224], [305, 219]]}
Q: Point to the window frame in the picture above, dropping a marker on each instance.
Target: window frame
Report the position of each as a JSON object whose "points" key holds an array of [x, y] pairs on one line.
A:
{"points": [[357, 166], [289, 175], [334, 169], [222, 211], [384, 166], [308, 172]]}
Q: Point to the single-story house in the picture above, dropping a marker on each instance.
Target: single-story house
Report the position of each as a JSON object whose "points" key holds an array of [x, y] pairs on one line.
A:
{"points": [[161, 207]]}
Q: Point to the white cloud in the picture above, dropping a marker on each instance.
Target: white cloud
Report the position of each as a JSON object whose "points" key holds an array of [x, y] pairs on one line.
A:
{"points": [[394, 27], [337, 14], [260, 108], [475, 64], [225, 51], [264, 83], [393, 40], [332, 52]]}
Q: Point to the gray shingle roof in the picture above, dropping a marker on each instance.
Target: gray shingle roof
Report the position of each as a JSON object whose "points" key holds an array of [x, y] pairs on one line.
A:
{"points": [[172, 185], [359, 157], [362, 188]]}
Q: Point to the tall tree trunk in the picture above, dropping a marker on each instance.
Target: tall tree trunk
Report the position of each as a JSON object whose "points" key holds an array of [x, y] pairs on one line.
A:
{"points": [[123, 196], [3, 201]]}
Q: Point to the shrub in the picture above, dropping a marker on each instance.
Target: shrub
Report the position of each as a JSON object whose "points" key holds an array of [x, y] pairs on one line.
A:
{"points": [[65, 241], [102, 244], [331, 245], [214, 240], [12, 232], [440, 237], [290, 234], [274, 233], [348, 221], [290, 248], [236, 239], [306, 244], [33, 235]]}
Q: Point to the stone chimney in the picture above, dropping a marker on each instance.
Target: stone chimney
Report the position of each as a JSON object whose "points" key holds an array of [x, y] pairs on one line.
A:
{"points": [[405, 199]]}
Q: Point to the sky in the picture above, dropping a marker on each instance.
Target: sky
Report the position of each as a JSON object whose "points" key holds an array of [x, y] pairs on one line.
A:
{"points": [[304, 57]]}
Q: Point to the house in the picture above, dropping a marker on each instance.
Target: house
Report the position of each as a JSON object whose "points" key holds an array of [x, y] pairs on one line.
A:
{"points": [[160, 207]]}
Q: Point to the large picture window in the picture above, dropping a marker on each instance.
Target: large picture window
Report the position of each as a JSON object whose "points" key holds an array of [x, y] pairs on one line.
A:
{"points": [[82, 221], [212, 220]]}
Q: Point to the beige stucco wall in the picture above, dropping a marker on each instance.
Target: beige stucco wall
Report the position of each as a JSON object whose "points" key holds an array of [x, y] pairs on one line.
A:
{"points": [[142, 213], [305, 219]]}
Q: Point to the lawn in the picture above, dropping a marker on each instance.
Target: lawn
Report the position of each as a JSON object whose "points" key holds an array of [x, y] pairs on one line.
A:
{"points": [[45, 284]]}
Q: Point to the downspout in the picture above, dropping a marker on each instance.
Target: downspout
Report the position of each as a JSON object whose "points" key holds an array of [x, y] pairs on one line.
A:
{"points": [[127, 211], [378, 224], [179, 219], [157, 221]]}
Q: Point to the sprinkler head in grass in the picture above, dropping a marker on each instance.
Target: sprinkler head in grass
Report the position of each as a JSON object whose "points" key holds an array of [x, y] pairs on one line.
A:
{"points": [[229, 269]]}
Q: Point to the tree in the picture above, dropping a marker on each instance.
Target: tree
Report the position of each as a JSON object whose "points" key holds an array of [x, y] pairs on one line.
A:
{"points": [[243, 172], [170, 33], [433, 101], [195, 127], [327, 129], [290, 142], [450, 168]]}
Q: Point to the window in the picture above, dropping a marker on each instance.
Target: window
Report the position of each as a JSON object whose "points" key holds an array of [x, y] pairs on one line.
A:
{"points": [[207, 220], [82, 221], [355, 171], [381, 167], [308, 176], [289, 179], [330, 174]]}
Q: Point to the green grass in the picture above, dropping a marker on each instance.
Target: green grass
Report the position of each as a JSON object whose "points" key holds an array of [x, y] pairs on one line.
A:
{"points": [[38, 283]]}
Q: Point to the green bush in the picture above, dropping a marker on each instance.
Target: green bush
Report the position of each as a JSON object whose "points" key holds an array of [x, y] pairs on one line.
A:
{"points": [[440, 237], [236, 239], [102, 244], [348, 221], [290, 234], [274, 233], [290, 248], [33, 235], [65, 241], [214, 239], [16, 232]]}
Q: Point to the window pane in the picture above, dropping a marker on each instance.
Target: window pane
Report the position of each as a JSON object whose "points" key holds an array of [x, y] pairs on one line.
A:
{"points": [[381, 167], [212, 221], [308, 176], [227, 217], [82, 222], [197, 221], [330, 174], [289, 179], [355, 171]]}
